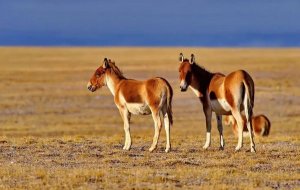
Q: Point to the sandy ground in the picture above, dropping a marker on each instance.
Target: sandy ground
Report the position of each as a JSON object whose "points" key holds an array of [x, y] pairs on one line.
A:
{"points": [[56, 134]]}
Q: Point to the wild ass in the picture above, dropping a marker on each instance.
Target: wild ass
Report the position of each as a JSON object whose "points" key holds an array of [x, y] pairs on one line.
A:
{"points": [[260, 123], [153, 96], [224, 95]]}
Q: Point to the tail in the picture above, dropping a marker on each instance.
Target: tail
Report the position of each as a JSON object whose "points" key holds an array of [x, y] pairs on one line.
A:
{"points": [[267, 126], [169, 104], [169, 100], [249, 96]]}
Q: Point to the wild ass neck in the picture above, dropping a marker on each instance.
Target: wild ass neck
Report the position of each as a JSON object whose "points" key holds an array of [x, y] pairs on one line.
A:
{"points": [[200, 78], [112, 81]]}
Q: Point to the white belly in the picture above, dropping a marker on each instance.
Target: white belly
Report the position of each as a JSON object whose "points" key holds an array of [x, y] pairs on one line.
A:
{"points": [[138, 108], [220, 106]]}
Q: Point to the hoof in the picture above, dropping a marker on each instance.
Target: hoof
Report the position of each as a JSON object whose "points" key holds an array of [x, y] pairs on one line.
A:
{"points": [[126, 148], [253, 149], [238, 148], [205, 147], [221, 148], [151, 149], [168, 148]]}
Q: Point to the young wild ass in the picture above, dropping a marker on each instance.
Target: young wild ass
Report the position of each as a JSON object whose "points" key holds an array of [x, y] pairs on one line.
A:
{"points": [[153, 96], [260, 123], [224, 95]]}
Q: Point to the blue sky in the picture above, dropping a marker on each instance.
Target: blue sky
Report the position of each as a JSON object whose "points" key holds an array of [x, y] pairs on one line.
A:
{"points": [[262, 23]]}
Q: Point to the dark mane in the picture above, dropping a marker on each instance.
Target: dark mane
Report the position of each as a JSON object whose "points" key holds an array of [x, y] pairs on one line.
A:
{"points": [[203, 76], [200, 70], [116, 70]]}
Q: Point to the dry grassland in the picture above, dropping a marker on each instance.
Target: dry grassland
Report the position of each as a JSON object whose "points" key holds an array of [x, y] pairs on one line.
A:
{"points": [[56, 134]]}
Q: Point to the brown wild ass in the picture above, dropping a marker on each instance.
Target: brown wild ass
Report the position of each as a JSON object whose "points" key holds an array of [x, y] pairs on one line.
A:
{"points": [[153, 96], [260, 123], [224, 95]]}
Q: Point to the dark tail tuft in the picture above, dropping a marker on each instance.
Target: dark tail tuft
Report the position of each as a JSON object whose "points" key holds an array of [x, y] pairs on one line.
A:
{"points": [[267, 127]]}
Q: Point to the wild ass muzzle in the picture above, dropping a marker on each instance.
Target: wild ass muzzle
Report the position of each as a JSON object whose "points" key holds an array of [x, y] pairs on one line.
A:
{"points": [[224, 95], [152, 96]]}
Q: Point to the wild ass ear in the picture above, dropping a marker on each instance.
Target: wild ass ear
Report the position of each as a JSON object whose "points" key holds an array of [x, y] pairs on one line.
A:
{"points": [[193, 60], [112, 62], [105, 63], [181, 58]]}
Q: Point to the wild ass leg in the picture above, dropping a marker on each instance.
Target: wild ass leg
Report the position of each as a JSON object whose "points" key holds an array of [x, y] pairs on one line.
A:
{"points": [[208, 114], [126, 118], [157, 127], [220, 129], [240, 124], [249, 126], [167, 129]]}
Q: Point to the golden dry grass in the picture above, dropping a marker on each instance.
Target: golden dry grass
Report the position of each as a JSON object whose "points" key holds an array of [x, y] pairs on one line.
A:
{"points": [[56, 134]]}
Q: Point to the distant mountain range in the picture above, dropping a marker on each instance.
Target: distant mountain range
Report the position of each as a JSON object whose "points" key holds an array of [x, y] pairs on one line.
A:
{"points": [[252, 23], [238, 40]]}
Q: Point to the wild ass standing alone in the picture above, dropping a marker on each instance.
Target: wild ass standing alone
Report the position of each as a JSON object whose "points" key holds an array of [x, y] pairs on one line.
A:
{"points": [[224, 95], [153, 96], [260, 123]]}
